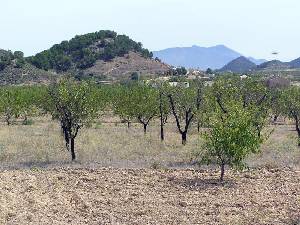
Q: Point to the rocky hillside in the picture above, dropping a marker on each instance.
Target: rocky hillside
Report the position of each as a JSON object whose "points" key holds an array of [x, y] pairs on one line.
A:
{"points": [[28, 74], [239, 65], [15, 70], [125, 66]]}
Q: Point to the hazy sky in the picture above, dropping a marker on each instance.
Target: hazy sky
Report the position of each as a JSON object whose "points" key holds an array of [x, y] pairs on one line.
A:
{"points": [[251, 27]]}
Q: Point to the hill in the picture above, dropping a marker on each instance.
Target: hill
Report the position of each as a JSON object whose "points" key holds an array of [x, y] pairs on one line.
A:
{"points": [[15, 70], [200, 57], [295, 63], [100, 53], [28, 74], [257, 61], [239, 65], [122, 67], [274, 65]]}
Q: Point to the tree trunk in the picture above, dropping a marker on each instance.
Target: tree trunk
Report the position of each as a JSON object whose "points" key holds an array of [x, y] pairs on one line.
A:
{"points": [[73, 149], [198, 127], [162, 135], [145, 128], [25, 120], [297, 129], [128, 124], [7, 119], [222, 172], [183, 137]]}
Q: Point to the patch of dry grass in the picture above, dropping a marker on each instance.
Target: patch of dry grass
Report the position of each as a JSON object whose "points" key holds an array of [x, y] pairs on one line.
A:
{"points": [[280, 150], [113, 144], [106, 144]]}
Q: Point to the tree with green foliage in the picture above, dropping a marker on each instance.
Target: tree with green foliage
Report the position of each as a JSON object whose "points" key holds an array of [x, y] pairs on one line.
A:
{"points": [[6, 58], [134, 76], [122, 104], [251, 93], [183, 103], [236, 117], [209, 71], [73, 104], [18, 55], [200, 106], [144, 104], [290, 102], [257, 100], [20, 102], [29, 101], [164, 107], [231, 139], [9, 99]]}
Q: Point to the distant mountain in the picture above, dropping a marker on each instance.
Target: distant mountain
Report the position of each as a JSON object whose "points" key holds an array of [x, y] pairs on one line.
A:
{"points": [[295, 63], [239, 65], [274, 65], [257, 61], [200, 57]]}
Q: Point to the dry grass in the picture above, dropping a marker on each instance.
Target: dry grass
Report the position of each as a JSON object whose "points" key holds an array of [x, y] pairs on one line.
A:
{"points": [[280, 150], [106, 144], [113, 144]]}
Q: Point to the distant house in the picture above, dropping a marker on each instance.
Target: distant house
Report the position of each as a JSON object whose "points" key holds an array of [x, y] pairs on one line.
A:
{"points": [[163, 78], [243, 77], [179, 84]]}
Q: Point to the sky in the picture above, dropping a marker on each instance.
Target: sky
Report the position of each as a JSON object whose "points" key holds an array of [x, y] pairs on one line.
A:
{"points": [[251, 27]]}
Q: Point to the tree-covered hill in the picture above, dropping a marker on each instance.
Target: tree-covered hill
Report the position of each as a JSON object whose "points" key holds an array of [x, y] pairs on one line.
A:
{"points": [[8, 58], [83, 51], [15, 70]]}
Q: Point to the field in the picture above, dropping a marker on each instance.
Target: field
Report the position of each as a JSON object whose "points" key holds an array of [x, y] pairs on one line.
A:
{"points": [[125, 177], [144, 196]]}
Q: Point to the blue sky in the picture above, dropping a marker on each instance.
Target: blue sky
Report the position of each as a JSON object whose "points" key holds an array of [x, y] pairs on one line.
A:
{"points": [[251, 27]]}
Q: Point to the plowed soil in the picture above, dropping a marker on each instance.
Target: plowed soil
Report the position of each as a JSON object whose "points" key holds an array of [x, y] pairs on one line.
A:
{"points": [[144, 196]]}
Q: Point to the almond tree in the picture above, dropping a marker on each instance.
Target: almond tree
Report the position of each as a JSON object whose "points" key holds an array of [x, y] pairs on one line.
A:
{"points": [[183, 103], [164, 111], [122, 104], [144, 104], [251, 93], [74, 105], [235, 112], [9, 98], [231, 139], [290, 101]]}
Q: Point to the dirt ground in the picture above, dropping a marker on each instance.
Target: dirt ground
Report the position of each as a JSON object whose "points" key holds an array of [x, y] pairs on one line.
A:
{"points": [[145, 196]]}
